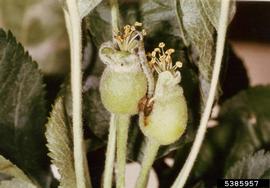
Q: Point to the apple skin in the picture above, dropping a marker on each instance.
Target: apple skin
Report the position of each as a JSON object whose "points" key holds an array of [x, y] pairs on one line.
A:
{"points": [[121, 91], [168, 119]]}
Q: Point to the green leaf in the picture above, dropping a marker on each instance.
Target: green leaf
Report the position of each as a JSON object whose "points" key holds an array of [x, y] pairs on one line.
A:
{"points": [[200, 33], [199, 185], [22, 112], [59, 139], [266, 174], [155, 13], [16, 183], [248, 114], [199, 20], [86, 6], [9, 169], [211, 9], [98, 22], [96, 116], [251, 167], [205, 160], [242, 121]]}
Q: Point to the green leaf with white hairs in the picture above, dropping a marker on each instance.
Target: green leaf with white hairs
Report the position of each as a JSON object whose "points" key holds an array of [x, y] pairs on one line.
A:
{"points": [[86, 6], [200, 20], [200, 33], [211, 9], [59, 139]]}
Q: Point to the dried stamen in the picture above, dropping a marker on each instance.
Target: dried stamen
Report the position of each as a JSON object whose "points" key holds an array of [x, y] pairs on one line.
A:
{"points": [[162, 61], [127, 39]]}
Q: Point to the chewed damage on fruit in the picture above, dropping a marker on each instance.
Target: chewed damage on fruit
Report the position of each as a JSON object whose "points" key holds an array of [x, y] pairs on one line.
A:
{"points": [[123, 82], [164, 116]]}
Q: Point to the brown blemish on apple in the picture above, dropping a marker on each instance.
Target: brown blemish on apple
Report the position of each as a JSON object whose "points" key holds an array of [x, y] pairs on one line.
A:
{"points": [[146, 106]]}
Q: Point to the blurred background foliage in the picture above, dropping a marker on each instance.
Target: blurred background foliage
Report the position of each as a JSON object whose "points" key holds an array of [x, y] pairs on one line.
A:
{"points": [[40, 26]]}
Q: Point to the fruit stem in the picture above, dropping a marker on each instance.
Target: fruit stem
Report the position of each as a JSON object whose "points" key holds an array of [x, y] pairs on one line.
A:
{"points": [[148, 160], [110, 153], [223, 21], [121, 136], [115, 16]]}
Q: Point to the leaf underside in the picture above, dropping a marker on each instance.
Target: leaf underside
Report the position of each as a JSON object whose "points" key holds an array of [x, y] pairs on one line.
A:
{"points": [[16, 183], [59, 139], [11, 170], [86, 6], [200, 21]]}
